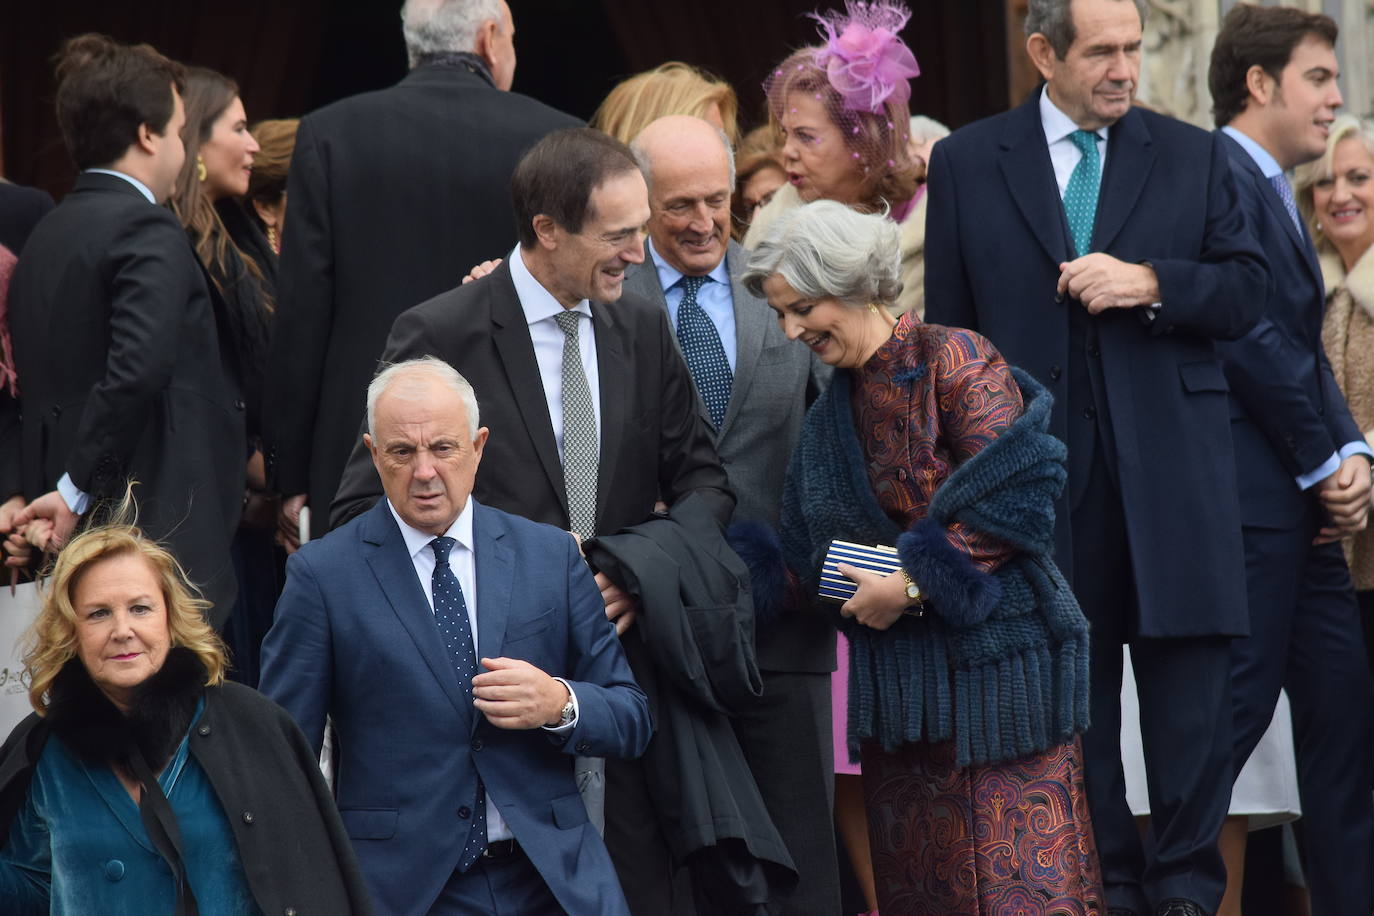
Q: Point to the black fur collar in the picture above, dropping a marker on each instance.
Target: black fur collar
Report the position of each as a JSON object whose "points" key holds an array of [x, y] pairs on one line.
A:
{"points": [[97, 732]]}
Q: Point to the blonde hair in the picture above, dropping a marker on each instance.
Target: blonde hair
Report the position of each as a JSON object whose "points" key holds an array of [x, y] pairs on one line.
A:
{"points": [[1306, 177], [668, 89], [51, 641]]}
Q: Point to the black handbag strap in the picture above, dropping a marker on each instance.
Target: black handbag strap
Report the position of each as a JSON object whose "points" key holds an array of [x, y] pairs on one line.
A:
{"points": [[161, 824]]}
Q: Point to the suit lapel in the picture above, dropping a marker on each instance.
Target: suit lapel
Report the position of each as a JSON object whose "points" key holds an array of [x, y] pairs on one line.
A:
{"points": [[1029, 175], [1130, 156], [616, 379], [494, 566], [1277, 210], [751, 326], [390, 563], [511, 333]]}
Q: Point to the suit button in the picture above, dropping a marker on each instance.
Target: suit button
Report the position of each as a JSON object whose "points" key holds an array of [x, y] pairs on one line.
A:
{"points": [[248, 817], [289, 911], [57, 410], [114, 870], [1089, 413], [1055, 372], [476, 744], [465, 812], [238, 404], [583, 747], [204, 730]]}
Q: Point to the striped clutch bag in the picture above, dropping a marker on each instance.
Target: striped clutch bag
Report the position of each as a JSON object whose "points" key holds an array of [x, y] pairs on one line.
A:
{"points": [[834, 586]]}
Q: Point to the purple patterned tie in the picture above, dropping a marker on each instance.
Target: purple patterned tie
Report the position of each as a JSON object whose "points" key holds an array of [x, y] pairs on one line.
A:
{"points": [[1285, 192]]}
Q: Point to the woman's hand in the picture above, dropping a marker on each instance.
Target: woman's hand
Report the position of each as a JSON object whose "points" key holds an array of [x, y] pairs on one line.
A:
{"points": [[880, 600]]}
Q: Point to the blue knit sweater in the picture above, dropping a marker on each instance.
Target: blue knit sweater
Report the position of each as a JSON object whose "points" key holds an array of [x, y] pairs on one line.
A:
{"points": [[1000, 665]]}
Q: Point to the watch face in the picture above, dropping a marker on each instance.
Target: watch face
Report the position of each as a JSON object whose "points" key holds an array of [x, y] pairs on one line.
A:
{"points": [[912, 591]]}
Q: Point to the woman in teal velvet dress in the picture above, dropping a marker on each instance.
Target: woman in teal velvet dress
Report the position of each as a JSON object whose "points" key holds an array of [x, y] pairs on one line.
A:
{"points": [[144, 783]]}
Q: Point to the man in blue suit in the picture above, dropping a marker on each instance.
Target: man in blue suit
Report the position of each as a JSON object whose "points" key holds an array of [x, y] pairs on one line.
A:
{"points": [[1101, 248], [464, 657], [1301, 461]]}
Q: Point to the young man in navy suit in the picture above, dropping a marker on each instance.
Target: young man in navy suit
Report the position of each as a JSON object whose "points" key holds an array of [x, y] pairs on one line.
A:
{"points": [[1301, 461], [1101, 248], [464, 656]]}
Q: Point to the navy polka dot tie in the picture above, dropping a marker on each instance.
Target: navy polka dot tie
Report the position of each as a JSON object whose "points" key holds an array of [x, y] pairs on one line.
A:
{"points": [[700, 343], [451, 616], [1080, 195]]}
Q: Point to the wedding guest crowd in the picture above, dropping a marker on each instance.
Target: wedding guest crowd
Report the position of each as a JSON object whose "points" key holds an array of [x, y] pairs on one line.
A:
{"points": [[630, 512]]}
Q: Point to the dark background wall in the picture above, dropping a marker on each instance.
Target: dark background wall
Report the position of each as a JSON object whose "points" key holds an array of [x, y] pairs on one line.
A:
{"points": [[291, 56]]}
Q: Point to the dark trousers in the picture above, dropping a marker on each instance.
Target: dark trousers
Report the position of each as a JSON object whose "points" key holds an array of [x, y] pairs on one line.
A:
{"points": [[1185, 724], [1305, 636], [786, 740], [497, 887]]}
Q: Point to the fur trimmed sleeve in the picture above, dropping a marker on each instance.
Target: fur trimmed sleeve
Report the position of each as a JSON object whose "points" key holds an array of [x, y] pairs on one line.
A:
{"points": [[958, 591]]}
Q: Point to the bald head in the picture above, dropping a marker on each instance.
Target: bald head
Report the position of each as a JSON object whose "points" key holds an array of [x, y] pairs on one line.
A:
{"points": [[691, 172]]}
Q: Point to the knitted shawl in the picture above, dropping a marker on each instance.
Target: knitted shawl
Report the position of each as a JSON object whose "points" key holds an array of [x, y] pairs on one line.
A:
{"points": [[999, 663]]}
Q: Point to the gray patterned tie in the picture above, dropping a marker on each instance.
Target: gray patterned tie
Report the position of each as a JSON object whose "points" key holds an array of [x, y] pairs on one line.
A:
{"points": [[579, 432], [1285, 192]]}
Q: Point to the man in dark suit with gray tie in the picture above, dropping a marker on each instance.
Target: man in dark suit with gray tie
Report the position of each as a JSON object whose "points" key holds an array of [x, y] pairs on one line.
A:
{"points": [[1101, 248], [1301, 461], [753, 386]]}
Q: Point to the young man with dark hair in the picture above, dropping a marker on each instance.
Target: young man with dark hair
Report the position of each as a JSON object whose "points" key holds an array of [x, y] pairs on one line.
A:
{"points": [[1302, 463], [114, 335]]}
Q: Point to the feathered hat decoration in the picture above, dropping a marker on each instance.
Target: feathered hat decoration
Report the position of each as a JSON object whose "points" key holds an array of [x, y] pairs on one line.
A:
{"points": [[863, 57]]}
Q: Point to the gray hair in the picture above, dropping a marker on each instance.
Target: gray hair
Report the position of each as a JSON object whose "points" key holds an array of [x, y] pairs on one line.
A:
{"points": [[1345, 127], [435, 369], [826, 250], [434, 26], [646, 164], [1054, 20], [924, 129]]}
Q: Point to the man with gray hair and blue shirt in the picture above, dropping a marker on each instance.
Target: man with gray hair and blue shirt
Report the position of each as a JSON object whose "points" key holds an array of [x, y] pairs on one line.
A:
{"points": [[1103, 249], [393, 194]]}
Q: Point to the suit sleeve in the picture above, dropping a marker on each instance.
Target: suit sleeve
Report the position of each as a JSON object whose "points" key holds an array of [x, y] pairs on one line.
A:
{"points": [[297, 653], [1221, 293], [687, 458], [152, 274], [948, 295], [612, 711], [304, 319]]}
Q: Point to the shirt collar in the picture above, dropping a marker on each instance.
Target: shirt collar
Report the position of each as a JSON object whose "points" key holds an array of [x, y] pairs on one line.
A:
{"points": [[417, 540], [537, 302], [668, 275], [143, 188], [1267, 163], [1058, 125]]}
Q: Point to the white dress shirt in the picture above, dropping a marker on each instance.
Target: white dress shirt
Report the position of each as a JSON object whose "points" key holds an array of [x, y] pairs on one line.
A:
{"points": [[460, 560], [540, 307], [1270, 167], [1064, 155], [715, 298]]}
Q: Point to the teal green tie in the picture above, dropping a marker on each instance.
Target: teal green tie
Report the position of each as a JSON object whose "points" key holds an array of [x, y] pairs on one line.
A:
{"points": [[1080, 197]]}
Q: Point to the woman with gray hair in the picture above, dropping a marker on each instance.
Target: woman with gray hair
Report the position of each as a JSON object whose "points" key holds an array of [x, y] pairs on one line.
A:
{"points": [[967, 663]]}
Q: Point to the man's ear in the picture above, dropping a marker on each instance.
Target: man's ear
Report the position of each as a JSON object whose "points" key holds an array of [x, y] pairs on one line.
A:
{"points": [[1259, 86], [546, 230], [486, 37], [1041, 54], [145, 140]]}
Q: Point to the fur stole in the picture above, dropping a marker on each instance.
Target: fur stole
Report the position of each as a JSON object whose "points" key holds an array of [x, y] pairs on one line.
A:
{"points": [[96, 731]]}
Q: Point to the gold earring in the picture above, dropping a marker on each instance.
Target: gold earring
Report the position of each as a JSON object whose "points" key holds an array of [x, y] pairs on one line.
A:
{"points": [[200, 167], [873, 308], [273, 239]]}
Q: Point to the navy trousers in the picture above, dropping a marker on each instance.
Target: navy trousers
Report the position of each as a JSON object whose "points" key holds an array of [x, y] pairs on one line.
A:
{"points": [[1305, 636]]}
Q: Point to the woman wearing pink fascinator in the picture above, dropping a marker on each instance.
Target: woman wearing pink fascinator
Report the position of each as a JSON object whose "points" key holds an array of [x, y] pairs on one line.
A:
{"points": [[840, 109]]}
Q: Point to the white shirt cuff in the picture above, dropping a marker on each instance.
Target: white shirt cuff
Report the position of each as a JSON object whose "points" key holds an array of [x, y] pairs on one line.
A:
{"points": [[564, 729], [1357, 448], [77, 500]]}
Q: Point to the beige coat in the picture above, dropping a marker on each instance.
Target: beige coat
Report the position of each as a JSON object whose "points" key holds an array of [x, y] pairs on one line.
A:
{"points": [[1348, 335], [913, 245]]}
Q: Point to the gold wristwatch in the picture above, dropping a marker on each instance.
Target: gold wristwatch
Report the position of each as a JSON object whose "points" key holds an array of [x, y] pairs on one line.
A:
{"points": [[913, 592]]}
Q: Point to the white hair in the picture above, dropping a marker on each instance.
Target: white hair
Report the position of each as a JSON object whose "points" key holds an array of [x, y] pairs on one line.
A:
{"points": [[646, 164], [428, 366], [924, 129], [826, 250], [434, 26]]}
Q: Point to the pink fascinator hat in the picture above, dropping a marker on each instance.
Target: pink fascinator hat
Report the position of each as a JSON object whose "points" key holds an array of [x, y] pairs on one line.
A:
{"points": [[864, 59]]}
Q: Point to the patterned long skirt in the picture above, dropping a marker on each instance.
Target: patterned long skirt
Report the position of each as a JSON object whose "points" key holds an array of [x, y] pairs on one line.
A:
{"points": [[1007, 840]]}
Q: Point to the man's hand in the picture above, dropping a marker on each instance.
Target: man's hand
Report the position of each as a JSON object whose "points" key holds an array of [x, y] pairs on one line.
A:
{"points": [[1101, 282], [8, 510], [53, 507], [481, 270], [1345, 495], [621, 608], [514, 694], [880, 600], [289, 522]]}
